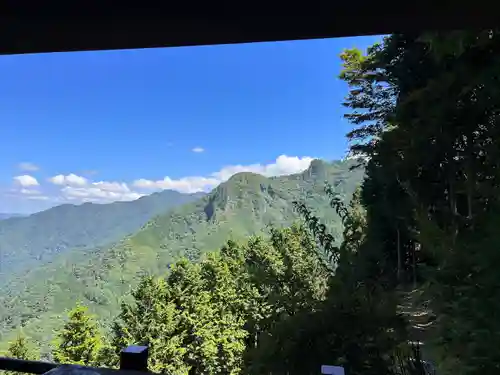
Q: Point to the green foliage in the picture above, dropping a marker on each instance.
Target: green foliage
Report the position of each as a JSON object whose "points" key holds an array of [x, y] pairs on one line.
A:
{"points": [[103, 277], [79, 340], [36, 239], [20, 348], [357, 324], [217, 316], [425, 109]]}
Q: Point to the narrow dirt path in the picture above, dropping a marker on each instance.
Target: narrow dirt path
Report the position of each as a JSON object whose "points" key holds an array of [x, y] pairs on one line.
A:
{"points": [[419, 316]]}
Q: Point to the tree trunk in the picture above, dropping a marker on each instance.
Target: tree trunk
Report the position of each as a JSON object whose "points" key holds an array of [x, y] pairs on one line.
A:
{"points": [[399, 255], [453, 208], [414, 267]]}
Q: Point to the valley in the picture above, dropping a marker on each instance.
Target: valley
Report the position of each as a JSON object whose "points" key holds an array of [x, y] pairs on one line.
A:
{"points": [[404, 250], [103, 276], [27, 242]]}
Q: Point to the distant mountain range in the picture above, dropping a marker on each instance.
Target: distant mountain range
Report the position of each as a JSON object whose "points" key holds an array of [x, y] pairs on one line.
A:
{"points": [[4, 216], [33, 240], [102, 276]]}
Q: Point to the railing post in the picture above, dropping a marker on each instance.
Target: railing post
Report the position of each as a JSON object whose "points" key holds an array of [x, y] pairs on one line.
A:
{"points": [[134, 358]]}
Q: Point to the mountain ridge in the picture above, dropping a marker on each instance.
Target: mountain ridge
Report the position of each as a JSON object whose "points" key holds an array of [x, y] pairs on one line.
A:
{"points": [[26, 241], [7, 215], [102, 277]]}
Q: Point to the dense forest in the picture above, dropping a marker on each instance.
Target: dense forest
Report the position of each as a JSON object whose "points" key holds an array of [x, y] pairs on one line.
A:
{"points": [[27, 242], [102, 277], [415, 260]]}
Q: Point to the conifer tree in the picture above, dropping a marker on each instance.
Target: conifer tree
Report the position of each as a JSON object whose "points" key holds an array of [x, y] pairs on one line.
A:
{"points": [[79, 341], [20, 348]]}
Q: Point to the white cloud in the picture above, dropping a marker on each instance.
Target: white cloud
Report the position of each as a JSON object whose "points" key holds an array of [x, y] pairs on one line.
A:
{"points": [[79, 189], [70, 180], [29, 192], [97, 194], [75, 188], [184, 185], [100, 191], [28, 167], [26, 193], [283, 165], [26, 181], [116, 187], [198, 149]]}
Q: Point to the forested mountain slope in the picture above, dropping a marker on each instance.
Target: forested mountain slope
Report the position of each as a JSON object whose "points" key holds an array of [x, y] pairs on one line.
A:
{"points": [[246, 204], [26, 242], [4, 216], [419, 260]]}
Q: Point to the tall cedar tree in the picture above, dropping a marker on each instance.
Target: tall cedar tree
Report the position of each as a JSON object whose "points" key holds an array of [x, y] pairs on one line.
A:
{"points": [[425, 109], [79, 341]]}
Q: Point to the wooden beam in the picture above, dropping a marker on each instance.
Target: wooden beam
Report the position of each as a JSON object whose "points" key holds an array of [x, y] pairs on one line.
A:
{"points": [[32, 27]]}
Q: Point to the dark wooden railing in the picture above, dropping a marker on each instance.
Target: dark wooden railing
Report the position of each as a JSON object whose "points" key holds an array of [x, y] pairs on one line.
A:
{"points": [[133, 361]]}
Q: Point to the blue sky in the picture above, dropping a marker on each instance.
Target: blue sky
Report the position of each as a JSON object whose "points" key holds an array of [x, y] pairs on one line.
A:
{"points": [[104, 126]]}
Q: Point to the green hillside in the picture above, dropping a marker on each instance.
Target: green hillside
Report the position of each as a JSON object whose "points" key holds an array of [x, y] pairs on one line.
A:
{"points": [[27, 242], [246, 204]]}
